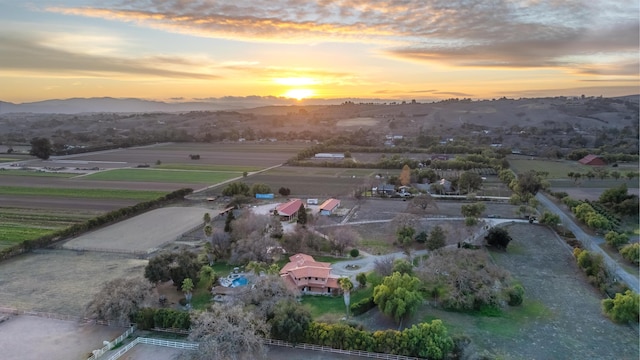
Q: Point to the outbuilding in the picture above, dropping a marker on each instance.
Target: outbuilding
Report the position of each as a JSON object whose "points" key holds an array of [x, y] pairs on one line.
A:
{"points": [[289, 210], [329, 206], [593, 160]]}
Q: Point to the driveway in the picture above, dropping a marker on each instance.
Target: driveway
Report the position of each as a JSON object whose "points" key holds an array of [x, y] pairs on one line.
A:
{"points": [[590, 243]]}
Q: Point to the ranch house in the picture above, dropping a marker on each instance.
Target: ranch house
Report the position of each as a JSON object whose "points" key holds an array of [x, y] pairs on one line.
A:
{"points": [[309, 276]]}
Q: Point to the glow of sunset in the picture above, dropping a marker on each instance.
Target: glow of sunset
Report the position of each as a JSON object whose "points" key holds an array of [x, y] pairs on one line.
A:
{"points": [[299, 94], [181, 51]]}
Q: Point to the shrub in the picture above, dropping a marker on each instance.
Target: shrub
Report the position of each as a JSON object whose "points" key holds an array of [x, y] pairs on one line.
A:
{"points": [[354, 253], [623, 308], [362, 306], [516, 295], [616, 240], [631, 252], [498, 237]]}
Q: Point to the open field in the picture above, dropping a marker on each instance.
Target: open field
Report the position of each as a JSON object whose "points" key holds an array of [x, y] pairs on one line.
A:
{"points": [[558, 169], [236, 154], [226, 168], [142, 233], [61, 281], [560, 317], [166, 176]]}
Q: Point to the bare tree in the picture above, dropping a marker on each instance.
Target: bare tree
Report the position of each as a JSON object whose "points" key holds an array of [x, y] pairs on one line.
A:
{"points": [[255, 246], [228, 332], [248, 223], [220, 243], [422, 203], [343, 237], [466, 279], [120, 299], [404, 220], [384, 266], [265, 294]]}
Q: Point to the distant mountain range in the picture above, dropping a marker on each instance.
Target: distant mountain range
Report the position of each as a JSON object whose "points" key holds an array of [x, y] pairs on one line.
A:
{"points": [[132, 105]]}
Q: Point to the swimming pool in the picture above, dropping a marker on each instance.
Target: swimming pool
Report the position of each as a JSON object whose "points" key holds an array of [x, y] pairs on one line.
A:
{"points": [[240, 281]]}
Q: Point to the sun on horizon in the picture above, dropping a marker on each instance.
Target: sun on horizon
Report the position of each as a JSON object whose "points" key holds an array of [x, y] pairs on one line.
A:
{"points": [[299, 94]]}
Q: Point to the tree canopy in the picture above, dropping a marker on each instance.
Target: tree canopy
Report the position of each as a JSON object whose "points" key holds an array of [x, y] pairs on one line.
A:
{"points": [[498, 237], [469, 181], [398, 296], [228, 332], [41, 147], [120, 299]]}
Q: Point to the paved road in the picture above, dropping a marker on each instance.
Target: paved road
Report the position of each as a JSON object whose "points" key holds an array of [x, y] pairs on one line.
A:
{"points": [[590, 242]]}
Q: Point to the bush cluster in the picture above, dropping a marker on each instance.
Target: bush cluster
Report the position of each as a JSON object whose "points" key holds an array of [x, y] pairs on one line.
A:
{"points": [[427, 340], [150, 318], [362, 306]]}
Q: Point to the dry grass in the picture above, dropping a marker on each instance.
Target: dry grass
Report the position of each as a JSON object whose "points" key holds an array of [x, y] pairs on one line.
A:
{"points": [[61, 281]]}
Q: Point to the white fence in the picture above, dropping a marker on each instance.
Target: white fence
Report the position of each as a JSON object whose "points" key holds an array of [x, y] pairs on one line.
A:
{"points": [[156, 342], [98, 353], [372, 355]]}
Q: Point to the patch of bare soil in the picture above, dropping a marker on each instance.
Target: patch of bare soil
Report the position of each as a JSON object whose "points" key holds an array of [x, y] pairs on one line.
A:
{"points": [[31, 337], [561, 316]]}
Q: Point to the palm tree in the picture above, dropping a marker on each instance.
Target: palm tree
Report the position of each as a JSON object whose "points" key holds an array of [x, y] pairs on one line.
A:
{"points": [[187, 286], [346, 285]]}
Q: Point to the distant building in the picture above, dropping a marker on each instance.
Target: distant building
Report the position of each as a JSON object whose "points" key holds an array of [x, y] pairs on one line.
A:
{"points": [[385, 189], [593, 160], [309, 276], [329, 206], [328, 156]]}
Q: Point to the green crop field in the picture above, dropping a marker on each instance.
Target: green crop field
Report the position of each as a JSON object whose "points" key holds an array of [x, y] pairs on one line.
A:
{"points": [[221, 168], [166, 176], [83, 193], [12, 234]]}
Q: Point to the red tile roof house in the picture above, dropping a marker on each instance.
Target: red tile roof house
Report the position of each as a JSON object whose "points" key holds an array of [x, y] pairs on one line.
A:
{"points": [[329, 206], [289, 210], [592, 160], [309, 276]]}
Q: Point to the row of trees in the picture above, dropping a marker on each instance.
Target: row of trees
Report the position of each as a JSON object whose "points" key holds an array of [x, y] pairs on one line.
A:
{"points": [[602, 174]]}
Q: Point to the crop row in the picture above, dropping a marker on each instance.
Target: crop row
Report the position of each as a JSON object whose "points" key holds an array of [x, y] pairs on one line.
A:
{"points": [[82, 193]]}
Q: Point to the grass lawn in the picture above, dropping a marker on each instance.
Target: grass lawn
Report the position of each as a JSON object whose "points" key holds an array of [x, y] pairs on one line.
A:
{"points": [[221, 168], [35, 173], [82, 193], [167, 176], [321, 306]]}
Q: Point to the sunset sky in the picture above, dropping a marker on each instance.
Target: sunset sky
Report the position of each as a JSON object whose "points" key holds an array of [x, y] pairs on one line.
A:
{"points": [[396, 49]]}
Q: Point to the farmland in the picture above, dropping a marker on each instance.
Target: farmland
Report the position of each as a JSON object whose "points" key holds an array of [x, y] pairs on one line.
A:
{"points": [[165, 176], [95, 183]]}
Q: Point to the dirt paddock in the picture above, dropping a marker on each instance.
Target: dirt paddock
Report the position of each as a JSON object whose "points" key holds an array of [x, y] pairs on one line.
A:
{"points": [[142, 233], [31, 337]]}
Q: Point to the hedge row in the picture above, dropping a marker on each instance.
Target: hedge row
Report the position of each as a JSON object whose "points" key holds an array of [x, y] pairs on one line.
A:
{"points": [[91, 224], [150, 318], [425, 340], [362, 306]]}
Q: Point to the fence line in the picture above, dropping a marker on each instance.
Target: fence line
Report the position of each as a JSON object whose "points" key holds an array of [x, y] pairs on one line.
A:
{"points": [[14, 311], [156, 342], [114, 251], [110, 345], [361, 353]]}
